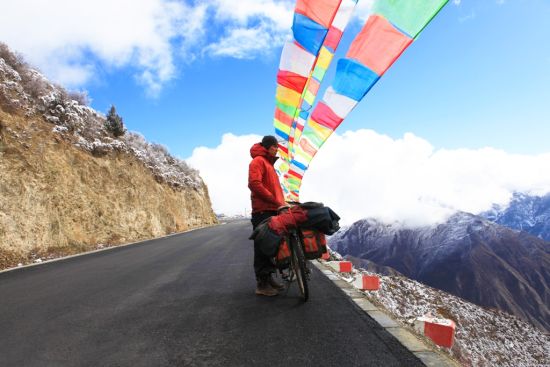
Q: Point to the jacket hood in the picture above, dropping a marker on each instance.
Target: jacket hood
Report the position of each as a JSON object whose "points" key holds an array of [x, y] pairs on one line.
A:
{"points": [[258, 150]]}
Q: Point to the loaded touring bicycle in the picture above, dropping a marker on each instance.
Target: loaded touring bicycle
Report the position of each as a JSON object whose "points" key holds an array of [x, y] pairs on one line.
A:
{"points": [[294, 236]]}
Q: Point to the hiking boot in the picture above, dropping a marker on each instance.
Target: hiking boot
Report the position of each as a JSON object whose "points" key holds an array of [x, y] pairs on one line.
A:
{"points": [[275, 284], [265, 289]]}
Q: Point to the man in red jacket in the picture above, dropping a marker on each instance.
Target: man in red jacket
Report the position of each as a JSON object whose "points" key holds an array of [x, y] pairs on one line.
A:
{"points": [[267, 197]]}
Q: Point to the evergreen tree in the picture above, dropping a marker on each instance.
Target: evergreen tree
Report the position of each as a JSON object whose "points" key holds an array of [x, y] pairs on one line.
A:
{"points": [[114, 123]]}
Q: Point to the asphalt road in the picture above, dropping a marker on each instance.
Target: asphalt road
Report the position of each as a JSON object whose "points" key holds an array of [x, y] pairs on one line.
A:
{"points": [[185, 300]]}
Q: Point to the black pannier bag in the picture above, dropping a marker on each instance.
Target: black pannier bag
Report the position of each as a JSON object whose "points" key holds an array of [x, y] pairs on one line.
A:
{"points": [[266, 239]]}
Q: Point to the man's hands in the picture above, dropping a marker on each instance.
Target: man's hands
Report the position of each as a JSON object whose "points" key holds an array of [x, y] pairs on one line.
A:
{"points": [[282, 208]]}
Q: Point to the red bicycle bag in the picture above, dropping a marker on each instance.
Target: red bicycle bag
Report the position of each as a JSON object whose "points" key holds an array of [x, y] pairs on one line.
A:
{"points": [[315, 243], [283, 255]]}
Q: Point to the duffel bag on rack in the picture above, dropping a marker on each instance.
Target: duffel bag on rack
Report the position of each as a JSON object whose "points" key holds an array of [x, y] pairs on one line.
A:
{"points": [[321, 218], [315, 243]]}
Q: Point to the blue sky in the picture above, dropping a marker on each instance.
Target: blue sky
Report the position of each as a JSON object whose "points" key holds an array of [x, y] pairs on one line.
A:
{"points": [[461, 121], [478, 76]]}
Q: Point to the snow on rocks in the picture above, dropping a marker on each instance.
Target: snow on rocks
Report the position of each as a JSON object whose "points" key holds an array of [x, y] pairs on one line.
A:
{"points": [[54, 120], [26, 90], [12, 77], [60, 129], [480, 337]]}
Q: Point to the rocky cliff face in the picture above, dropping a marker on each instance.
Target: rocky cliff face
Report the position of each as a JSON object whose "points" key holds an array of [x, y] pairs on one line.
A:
{"points": [[66, 186]]}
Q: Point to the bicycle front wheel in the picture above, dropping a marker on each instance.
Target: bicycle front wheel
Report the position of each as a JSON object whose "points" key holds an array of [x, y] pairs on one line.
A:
{"points": [[299, 267]]}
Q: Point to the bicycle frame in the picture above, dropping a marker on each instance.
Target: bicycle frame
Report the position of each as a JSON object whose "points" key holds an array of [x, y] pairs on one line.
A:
{"points": [[298, 263]]}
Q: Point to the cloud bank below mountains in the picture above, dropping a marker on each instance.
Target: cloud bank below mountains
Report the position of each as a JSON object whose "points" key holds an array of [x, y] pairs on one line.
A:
{"points": [[365, 174]]}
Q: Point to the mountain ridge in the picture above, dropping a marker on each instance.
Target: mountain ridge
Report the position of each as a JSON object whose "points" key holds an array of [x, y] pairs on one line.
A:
{"points": [[528, 213], [467, 256]]}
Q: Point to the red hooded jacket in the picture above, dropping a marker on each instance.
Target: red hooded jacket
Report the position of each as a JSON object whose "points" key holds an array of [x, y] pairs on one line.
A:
{"points": [[263, 182]]}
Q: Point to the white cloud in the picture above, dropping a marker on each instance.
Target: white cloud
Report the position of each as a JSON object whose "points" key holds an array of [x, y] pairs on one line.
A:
{"points": [[279, 13], [363, 10], [259, 25], [225, 171], [255, 27], [468, 17], [245, 43], [61, 35], [364, 174], [72, 41]]}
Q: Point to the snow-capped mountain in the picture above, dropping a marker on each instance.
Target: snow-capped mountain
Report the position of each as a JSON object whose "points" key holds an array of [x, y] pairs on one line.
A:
{"points": [[524, 212], [467, 256]]}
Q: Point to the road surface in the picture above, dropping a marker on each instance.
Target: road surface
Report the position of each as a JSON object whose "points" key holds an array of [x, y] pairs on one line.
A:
{"points": [[184, 300]]}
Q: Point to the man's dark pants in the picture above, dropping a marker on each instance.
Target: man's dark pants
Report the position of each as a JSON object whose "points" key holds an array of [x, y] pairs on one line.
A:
{"points": [[263, 265]]}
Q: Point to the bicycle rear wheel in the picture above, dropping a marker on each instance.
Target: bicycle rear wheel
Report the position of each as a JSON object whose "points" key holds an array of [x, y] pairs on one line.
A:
{"points": [[298, 263]]}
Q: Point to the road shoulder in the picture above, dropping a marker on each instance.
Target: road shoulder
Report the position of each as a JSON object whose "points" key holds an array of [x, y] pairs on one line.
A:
{"points": [[420, 348]]}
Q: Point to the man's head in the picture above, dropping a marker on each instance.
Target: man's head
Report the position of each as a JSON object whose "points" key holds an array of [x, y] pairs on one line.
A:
{"points": [[270, 143]]}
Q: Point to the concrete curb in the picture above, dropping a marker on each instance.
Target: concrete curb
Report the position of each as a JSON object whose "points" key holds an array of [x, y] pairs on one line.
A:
{"points": [[101, 250], [413, 343]]}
